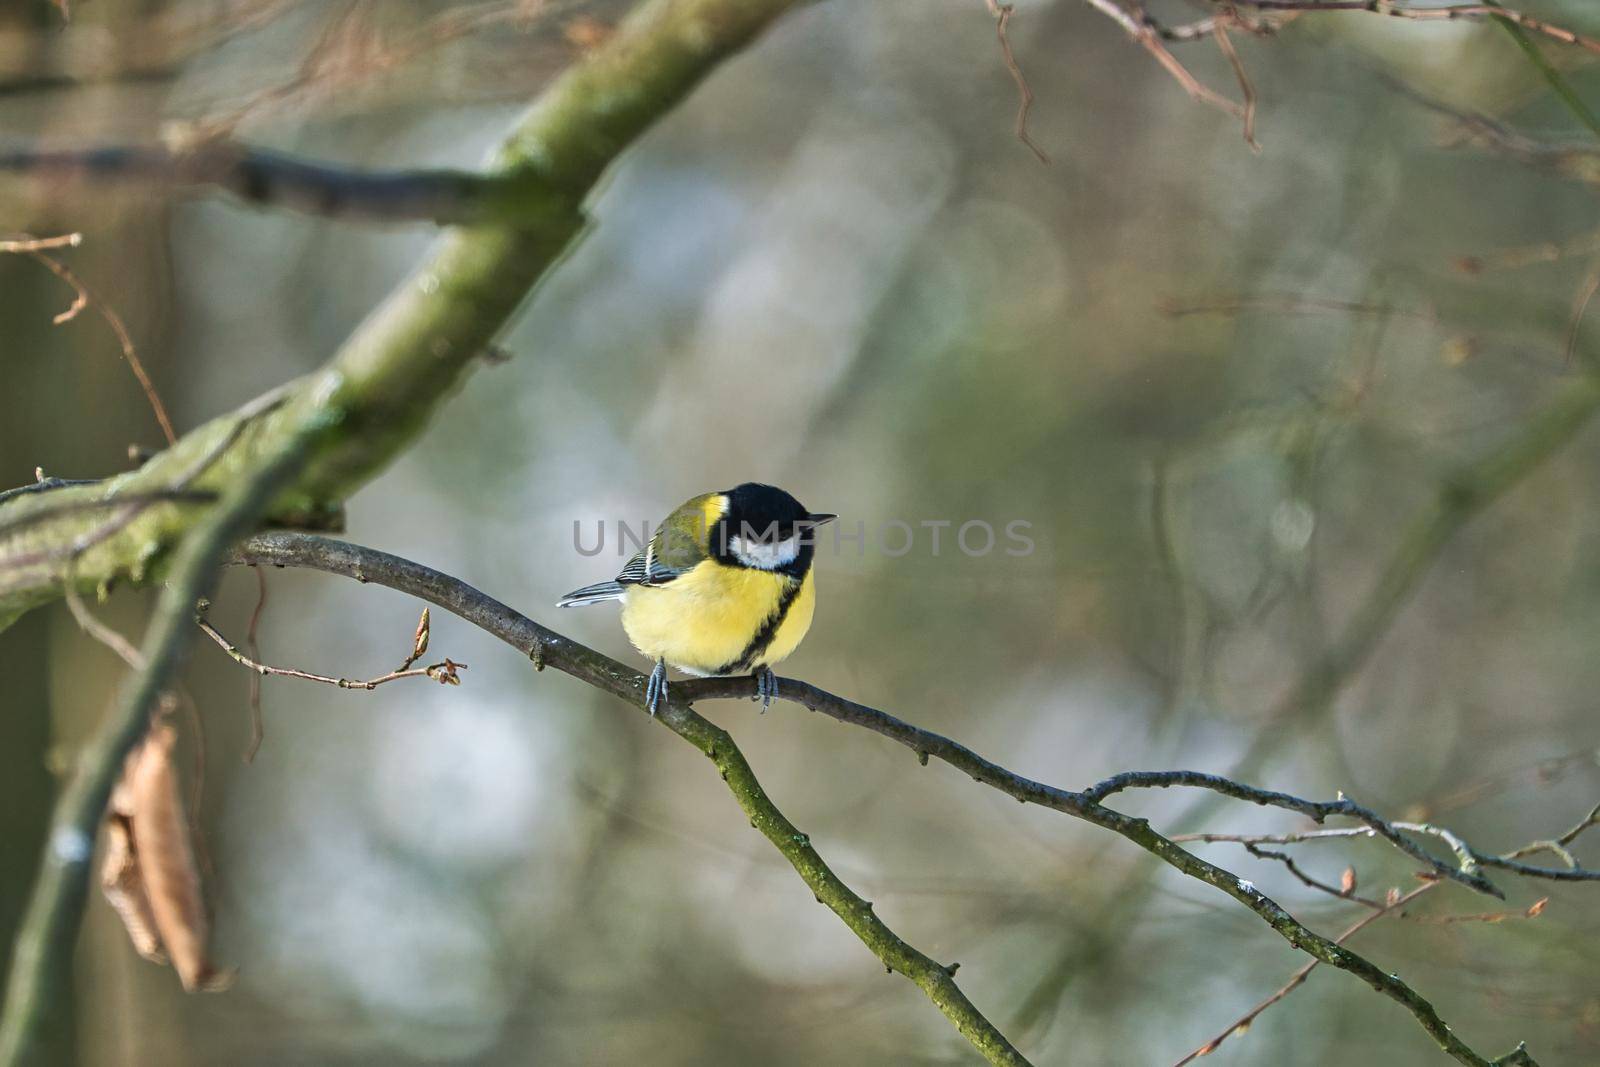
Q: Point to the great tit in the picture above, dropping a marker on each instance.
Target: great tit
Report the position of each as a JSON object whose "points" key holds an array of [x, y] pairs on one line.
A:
{"points": [[723, 587]]}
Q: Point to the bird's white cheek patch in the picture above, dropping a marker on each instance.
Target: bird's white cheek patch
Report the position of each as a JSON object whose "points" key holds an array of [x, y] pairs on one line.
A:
{"points": [[767, 557]]}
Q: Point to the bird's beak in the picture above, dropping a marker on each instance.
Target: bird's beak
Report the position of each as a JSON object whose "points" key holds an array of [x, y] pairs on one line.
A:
{"points": [[820, 520]]}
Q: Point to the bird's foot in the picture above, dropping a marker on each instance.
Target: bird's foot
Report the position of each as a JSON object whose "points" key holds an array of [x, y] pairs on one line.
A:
{"points": [[766, 688], [655, 691]]}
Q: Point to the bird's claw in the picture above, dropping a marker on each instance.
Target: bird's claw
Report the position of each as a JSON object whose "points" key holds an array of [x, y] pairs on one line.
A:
{"points": [[655, 691], [766, 688]]}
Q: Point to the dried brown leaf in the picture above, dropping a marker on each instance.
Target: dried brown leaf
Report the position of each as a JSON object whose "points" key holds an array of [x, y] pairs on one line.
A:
{"points": [[163, 848], [124, 889], [1537, 907]]}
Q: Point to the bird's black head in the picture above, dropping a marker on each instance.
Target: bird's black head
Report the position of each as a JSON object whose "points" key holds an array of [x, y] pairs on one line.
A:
{"points": [[766, 528]]}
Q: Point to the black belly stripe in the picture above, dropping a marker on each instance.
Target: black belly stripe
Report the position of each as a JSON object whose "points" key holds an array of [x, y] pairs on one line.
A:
{"points": [[769, 629]]}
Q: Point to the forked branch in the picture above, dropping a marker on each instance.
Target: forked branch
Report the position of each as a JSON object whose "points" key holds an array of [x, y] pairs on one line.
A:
{"points": [[549, 649]]}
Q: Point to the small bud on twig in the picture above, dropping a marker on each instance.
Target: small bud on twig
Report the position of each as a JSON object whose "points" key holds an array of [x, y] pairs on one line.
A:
{"points": [[419, 643]]}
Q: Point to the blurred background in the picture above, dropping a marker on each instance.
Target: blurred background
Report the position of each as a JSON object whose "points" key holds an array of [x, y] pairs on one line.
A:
{"points": [[1221, 386]]}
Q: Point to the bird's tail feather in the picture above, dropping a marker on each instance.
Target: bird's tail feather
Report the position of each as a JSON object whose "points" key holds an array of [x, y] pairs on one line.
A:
{"points": [[599, 593]]}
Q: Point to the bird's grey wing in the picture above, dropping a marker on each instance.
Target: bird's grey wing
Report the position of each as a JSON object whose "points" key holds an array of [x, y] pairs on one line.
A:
{"points": [[671, 553], [667, 557], [646, 568]]}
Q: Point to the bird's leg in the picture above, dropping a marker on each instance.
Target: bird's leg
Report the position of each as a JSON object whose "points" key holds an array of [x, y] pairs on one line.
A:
{"points": [[766, 687], [655, 692]]}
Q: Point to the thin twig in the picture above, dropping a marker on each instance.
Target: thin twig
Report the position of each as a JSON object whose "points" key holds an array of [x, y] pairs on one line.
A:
{"points": [[1465, 872], [343, 55], [1314, 883], [1432, 14], [1560, 846], [1532, 911], [1573, 872], [1148, 34], [257, 727], [43, 484], [1246, 89], [1198, 90], [1580, 307], [1554, 78], [443, 672], [1278, 839], [132, 504], [83, 298], [1544, 772], [1289, 304], [1192, 31], [1002, 18], [1395, 903], [1576, 161], [1462, 494], [98, 630], [1590, 820], [1243, 1023], [1261, 26], [26, 243]]}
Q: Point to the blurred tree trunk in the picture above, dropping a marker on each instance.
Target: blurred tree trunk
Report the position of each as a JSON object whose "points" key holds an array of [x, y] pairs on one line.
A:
{"points": [[26, 787], [74, 370]]}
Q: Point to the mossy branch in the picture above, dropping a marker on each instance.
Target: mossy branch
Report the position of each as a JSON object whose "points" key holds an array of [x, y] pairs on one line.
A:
{"points": [[41, 960], [375, 394], [299, 450]]}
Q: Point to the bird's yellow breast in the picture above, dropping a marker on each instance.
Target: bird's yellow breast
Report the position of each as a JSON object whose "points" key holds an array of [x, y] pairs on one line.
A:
{"points": [[719, 619]]}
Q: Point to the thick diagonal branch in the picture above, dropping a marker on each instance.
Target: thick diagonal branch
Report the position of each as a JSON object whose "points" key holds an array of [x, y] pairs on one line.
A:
{"points": [[380, 388]]}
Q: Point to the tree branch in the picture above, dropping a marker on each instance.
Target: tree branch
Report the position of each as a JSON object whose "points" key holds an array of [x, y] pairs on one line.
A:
{"points": [[376, 393], [278, 180], [549, 649], [444, 673], [1469, 858], [42, 958], [1297, 979], [1443, 13], [296, 451]]}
